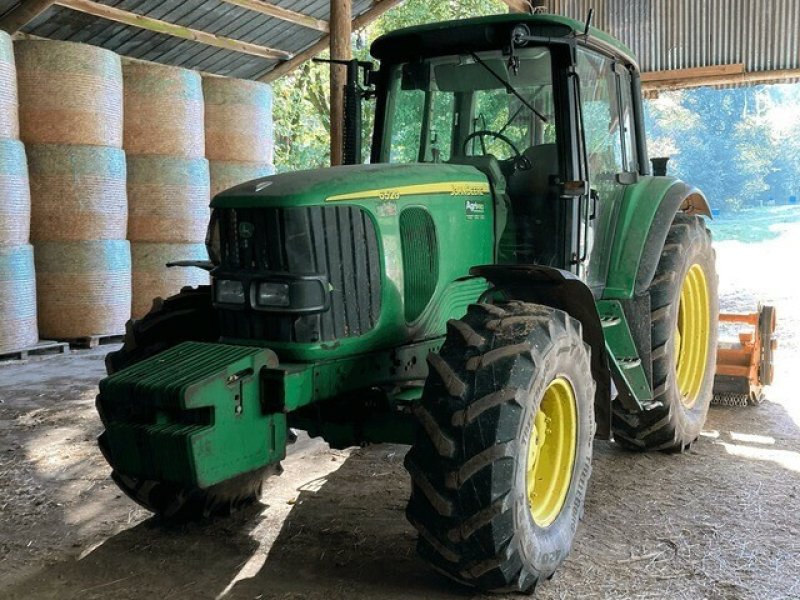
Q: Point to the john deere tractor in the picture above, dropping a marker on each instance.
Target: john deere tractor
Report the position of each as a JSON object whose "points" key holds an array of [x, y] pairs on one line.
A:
{"points": [[502, 283]]}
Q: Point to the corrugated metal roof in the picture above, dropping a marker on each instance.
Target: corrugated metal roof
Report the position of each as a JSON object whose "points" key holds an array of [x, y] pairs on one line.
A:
{"points": [[764, 35], [213, 16]]}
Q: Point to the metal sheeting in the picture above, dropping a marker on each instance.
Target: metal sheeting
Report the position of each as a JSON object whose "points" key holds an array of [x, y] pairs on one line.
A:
{"points": [[212, 16], [682, 34]]}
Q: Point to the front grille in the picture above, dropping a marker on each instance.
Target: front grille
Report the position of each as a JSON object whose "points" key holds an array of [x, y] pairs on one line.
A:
{"points": [[338, 242], [420, 259]]}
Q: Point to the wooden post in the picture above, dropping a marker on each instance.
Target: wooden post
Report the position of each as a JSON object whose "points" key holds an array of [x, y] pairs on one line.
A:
{"points": [[341, 24]]}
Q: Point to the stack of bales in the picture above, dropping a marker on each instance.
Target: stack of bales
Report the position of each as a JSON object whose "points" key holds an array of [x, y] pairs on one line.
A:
{"points": [[168, 179], [239, 133], [17, 280], [71, 122]]}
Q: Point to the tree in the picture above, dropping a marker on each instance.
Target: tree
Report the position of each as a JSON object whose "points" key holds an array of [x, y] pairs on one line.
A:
{"points": [[302, 100]]}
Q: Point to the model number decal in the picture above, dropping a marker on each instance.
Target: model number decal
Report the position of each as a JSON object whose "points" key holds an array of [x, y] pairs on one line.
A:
{"points": [[463, 189], [389, 195]]}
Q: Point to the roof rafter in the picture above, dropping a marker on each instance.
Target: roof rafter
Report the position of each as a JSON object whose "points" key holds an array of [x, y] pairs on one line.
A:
{"points": [[22, 14], [136, 20], [278, 12], [377, 10]]}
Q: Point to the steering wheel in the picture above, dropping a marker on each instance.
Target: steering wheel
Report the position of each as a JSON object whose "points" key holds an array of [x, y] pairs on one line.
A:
{"points": [[520, 161]]}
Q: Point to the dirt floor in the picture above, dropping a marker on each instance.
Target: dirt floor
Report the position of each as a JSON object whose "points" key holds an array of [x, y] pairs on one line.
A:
{"points": [[720, 521]]}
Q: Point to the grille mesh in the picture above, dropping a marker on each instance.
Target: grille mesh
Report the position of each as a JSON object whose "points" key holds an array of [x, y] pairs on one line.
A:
{"points": [[420, 260]]}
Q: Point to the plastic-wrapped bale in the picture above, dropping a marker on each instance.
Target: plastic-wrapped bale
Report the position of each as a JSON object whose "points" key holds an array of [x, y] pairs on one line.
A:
{"points": [[163, 111], [84, 288], [69, 93], [15, 200], [153, 279], [226, 174], [238, 120], [77, 193], [9, 122], [168, 199], [17, 298]]}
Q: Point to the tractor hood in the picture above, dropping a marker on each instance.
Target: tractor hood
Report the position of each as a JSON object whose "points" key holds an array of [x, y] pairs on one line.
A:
{"points": [[304, 188]]}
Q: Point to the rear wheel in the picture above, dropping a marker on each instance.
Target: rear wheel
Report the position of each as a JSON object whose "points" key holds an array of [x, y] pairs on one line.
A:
{"points": [[503, 456], [187, 316], [684, 321]]}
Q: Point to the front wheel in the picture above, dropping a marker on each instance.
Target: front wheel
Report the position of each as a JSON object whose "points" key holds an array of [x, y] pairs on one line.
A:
{"points": [[502, 459]]}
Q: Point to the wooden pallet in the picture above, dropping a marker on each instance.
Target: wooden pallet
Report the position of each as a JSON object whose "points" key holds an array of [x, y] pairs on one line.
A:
{"points": [[43, 348], [93, 341]]}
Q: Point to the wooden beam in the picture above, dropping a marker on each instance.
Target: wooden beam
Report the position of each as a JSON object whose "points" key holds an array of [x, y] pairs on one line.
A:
{"points": [[271, 10], [377, 11], [135, 20], [341, 33], [695, 73], [24, 12], [746, 78]]}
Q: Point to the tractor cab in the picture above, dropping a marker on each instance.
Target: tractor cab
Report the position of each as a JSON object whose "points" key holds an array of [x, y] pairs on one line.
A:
{"points": [[547, 112]]}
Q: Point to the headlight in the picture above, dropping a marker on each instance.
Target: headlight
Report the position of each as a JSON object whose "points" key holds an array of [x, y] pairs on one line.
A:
{"points": [[229, 292], [273, 294]]}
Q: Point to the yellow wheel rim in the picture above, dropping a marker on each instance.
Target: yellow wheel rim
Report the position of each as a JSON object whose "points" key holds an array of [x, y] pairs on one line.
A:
{"points": [[691, 335], [551, 452]]}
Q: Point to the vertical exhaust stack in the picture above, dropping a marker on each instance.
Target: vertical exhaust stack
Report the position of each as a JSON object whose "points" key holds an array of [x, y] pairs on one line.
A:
{"points": [[660, 166]]}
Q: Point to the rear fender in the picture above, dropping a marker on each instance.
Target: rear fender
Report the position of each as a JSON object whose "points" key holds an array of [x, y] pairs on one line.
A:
{"points": [[645, 217], [563, 291]]}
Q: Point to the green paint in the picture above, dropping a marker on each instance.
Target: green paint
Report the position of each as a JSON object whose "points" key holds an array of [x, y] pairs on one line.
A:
{"points": [[637, 211], [191, 415], [622, 351]]}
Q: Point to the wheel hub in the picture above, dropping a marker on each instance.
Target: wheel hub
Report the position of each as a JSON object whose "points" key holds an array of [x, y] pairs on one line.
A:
{"points": [[551, 452], [692, 335]]}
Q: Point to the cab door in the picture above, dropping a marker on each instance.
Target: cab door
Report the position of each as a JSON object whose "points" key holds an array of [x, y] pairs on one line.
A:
{"points": [[606, 105]]}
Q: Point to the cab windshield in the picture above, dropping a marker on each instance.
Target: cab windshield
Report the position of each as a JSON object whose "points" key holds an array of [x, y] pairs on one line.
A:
{"points": [[444, 108]]}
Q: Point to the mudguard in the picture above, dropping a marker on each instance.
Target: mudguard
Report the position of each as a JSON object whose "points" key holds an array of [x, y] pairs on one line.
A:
{"points": [[564, 291], [644, 220]]}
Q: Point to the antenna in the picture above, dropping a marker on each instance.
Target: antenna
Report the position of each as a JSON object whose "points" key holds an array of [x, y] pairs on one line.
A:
{"points": [[588, 21]]}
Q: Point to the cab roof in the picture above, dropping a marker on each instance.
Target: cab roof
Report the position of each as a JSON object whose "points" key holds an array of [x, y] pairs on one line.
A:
{"points": [[486, 33]]}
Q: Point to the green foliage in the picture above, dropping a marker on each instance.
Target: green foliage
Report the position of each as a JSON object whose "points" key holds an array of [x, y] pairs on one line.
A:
{"points": [[740, 146], [302, 99]]}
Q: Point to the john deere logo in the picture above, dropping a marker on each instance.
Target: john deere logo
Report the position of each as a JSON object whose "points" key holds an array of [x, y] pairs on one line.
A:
{"points": [[246, 230], [476, 209]]}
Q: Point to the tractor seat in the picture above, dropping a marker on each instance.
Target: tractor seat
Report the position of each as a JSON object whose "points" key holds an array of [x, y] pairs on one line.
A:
{"points": [[534, 203], [535, 182]]}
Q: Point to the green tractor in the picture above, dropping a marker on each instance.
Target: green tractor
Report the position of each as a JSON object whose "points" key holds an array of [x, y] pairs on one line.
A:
{"points": [[502, 283]]}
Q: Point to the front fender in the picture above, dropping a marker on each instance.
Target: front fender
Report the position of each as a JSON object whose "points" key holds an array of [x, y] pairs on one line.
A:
{"points": [[645, 217], [564, 291]]}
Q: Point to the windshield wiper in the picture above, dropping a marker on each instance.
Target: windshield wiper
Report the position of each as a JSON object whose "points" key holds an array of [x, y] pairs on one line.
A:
{"points": [[509, 88]]}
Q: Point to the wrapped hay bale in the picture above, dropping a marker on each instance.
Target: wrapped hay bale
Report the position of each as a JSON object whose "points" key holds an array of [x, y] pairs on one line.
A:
{"points": [[163, 111], [238, 120], [77, 193], [69, 93], [84, 288], [9, 122], [15, 200], [17, 298], [227, 174], [168, 199], [151, 277]]}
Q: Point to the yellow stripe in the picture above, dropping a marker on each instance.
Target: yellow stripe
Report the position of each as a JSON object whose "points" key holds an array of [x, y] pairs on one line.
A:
{"points": [[452, 188]]}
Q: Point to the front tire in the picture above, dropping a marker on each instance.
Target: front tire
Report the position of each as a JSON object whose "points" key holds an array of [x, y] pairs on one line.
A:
{"points": [[497, 489], [684, 323]]}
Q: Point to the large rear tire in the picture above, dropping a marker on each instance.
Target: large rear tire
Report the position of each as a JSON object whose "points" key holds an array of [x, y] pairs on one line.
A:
{"points": [[684, 324], [502, 460], [187, 316]]}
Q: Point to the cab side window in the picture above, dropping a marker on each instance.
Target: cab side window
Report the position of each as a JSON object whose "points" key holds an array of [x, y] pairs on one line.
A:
{"points": [[601, 117]]}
